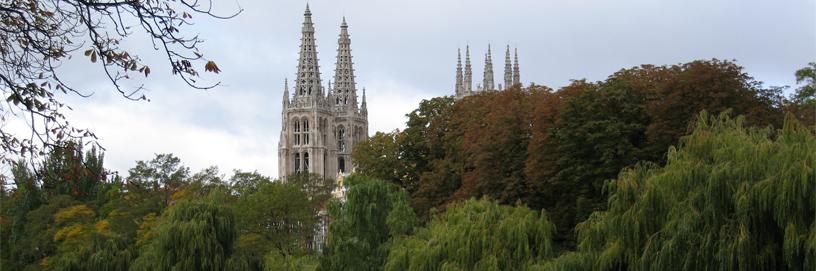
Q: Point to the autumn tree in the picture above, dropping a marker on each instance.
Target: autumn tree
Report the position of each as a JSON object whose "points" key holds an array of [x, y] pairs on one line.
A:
{"points": [[37, 37], [67, 170]]}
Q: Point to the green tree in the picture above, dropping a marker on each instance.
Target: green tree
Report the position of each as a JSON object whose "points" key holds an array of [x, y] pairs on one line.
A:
{"points": [[476, 235], [806, 94], [164, 174], [803, 100], [277, 218], [190, 235], [244, 182], [24, 198], [379, 157], [361, 227], [415, 144], [729, 198]]}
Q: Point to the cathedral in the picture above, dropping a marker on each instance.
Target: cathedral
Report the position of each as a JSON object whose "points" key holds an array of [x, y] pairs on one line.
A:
{"points": [[320, 125], [464, 81]]}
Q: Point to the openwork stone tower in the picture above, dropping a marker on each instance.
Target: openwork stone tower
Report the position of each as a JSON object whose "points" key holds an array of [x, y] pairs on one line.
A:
{"points": [[320, 125]]}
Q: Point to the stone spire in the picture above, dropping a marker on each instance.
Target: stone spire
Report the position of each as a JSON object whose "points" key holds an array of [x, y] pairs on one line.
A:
{"points": [[516, 75], [286, 93], [345, 89], [364, 106], [308, 77], [508, 69], [459, 84], [488, 71], [468, 82]]}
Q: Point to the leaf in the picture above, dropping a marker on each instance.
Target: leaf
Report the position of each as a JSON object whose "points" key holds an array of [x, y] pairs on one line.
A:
{"points": [[93, 56], [146, 70], [88, 52], [211, 67]]}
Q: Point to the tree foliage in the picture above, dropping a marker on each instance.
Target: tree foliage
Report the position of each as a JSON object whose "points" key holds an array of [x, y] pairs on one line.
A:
{"points": [[190, 235], [555, 149], [729, 198], [361, 227], [476, 235]]}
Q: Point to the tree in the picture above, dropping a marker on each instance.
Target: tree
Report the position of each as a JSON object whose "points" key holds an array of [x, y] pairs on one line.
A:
{"points": [[164, 174], [68, 171], [374, 212], [806, 94], [476, 235], [599, 132], [379, 157], [803, 101], [729, 198], [190, 235], [277, 218], [415, 149], [37, 37], [244, 182]]}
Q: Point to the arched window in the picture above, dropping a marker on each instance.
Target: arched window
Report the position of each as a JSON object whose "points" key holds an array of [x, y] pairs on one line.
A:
{"points": [[341, 165], [305, 131], [297, 162], [341, 138], [306, 161], [297, 132]]}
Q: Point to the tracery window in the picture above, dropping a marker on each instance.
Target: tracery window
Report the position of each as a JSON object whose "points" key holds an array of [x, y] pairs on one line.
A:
{"points": [[297, 162], [306, 161], [297, 132], [341, 138]]}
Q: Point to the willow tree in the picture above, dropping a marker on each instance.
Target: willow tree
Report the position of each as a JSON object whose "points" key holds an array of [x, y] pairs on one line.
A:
{"points": [[190, 236], [361, 227], [476, 235], [729, 198]]}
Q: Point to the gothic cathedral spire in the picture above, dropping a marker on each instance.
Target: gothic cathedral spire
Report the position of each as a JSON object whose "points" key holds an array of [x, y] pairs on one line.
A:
{"points": [[468, 80], [508, 72], [488, 71], [516, 75], [459, 79], [345, 89], [308, 77]]}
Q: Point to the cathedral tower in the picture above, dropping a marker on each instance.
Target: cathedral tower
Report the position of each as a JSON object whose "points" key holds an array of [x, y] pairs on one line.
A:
{"points": [[464, 80], [319, 128]]}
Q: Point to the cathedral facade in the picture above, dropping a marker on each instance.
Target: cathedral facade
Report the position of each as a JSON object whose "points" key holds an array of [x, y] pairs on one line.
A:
{"points": [[464, 80], [320, 125]]}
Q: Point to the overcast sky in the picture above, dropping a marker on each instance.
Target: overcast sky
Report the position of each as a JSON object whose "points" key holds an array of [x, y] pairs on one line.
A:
{"points": [[405, 51]]}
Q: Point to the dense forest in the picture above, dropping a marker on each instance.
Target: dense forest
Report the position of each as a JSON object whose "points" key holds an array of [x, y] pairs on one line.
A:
{"points": [[693, 166]]}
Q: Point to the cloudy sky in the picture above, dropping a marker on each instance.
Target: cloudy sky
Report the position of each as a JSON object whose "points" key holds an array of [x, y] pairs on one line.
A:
{"points": [[405, 51]]}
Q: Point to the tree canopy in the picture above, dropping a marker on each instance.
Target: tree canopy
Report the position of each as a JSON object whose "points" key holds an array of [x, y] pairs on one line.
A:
{"points": [[730, 197], [476, 235]]}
